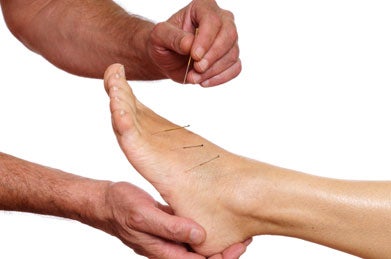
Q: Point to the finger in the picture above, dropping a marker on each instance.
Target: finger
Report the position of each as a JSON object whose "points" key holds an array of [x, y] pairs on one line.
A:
{"points": [[225, 60], [234, 251], [219, 67], [223, 41], [225, 76], [157, 248], [154, 221], [204, 40], [208, 18], [169, 250], [168, 36], [247, 242], [218, 256]]}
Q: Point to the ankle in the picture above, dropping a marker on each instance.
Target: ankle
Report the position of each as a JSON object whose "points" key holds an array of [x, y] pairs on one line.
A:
{"points": [[246, 196], [258, 196]]}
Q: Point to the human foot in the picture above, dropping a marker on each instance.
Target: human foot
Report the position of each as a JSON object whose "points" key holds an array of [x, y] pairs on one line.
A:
{"points": [[195, 177]]}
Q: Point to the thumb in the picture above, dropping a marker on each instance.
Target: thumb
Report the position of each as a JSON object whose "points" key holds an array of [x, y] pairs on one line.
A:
{"points": [[167, 36], [164, 225]]}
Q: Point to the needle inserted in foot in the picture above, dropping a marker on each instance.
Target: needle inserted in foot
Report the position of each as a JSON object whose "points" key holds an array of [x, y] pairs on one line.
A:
{"points": [[166, 130], [203, 163], [186, 147]]}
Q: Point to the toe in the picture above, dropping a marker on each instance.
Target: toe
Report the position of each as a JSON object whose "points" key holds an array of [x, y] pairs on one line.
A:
{"points": [[113, 71], [122, 123], [122, 101]]}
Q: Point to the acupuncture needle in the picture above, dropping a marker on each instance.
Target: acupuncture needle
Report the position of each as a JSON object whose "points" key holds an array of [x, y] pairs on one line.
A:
{"points": [[189, 62]]}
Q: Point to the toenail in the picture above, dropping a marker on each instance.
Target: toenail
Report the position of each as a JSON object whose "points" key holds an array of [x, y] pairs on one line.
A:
{"points": [[122, 71]]}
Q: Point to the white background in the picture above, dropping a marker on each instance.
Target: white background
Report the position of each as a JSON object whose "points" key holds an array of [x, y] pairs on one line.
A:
{"points": [[313, 96]]}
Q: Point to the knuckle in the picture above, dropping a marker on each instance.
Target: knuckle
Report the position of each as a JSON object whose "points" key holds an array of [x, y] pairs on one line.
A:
{"points": [[235, 54], [176, 41], [154, 35], [175, 230], [139, 250], [136, 219], [231, 32], [215, 19], [229, 15]]}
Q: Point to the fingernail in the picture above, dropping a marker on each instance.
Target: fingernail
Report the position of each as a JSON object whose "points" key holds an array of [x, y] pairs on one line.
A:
{"points": [[199, 53], [203, 65], [196, 236], [196, 78], [205, 83], [247, 242]]}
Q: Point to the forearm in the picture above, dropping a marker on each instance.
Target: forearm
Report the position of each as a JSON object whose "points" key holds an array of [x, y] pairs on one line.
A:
{"points": [[29, 187], [350, 216], [83, 37]]}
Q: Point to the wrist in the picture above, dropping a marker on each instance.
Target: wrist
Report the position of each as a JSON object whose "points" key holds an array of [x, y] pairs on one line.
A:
{"points": [[137, 60], [90, 206]]}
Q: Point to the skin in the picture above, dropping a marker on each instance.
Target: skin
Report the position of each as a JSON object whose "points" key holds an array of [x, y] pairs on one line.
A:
{"points": [[75, 34], [234, 197], [120, 209], [72, 35]]}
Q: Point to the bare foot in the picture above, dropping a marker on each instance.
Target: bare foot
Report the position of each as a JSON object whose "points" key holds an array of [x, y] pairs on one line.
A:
{"points": [[195, 177]]}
